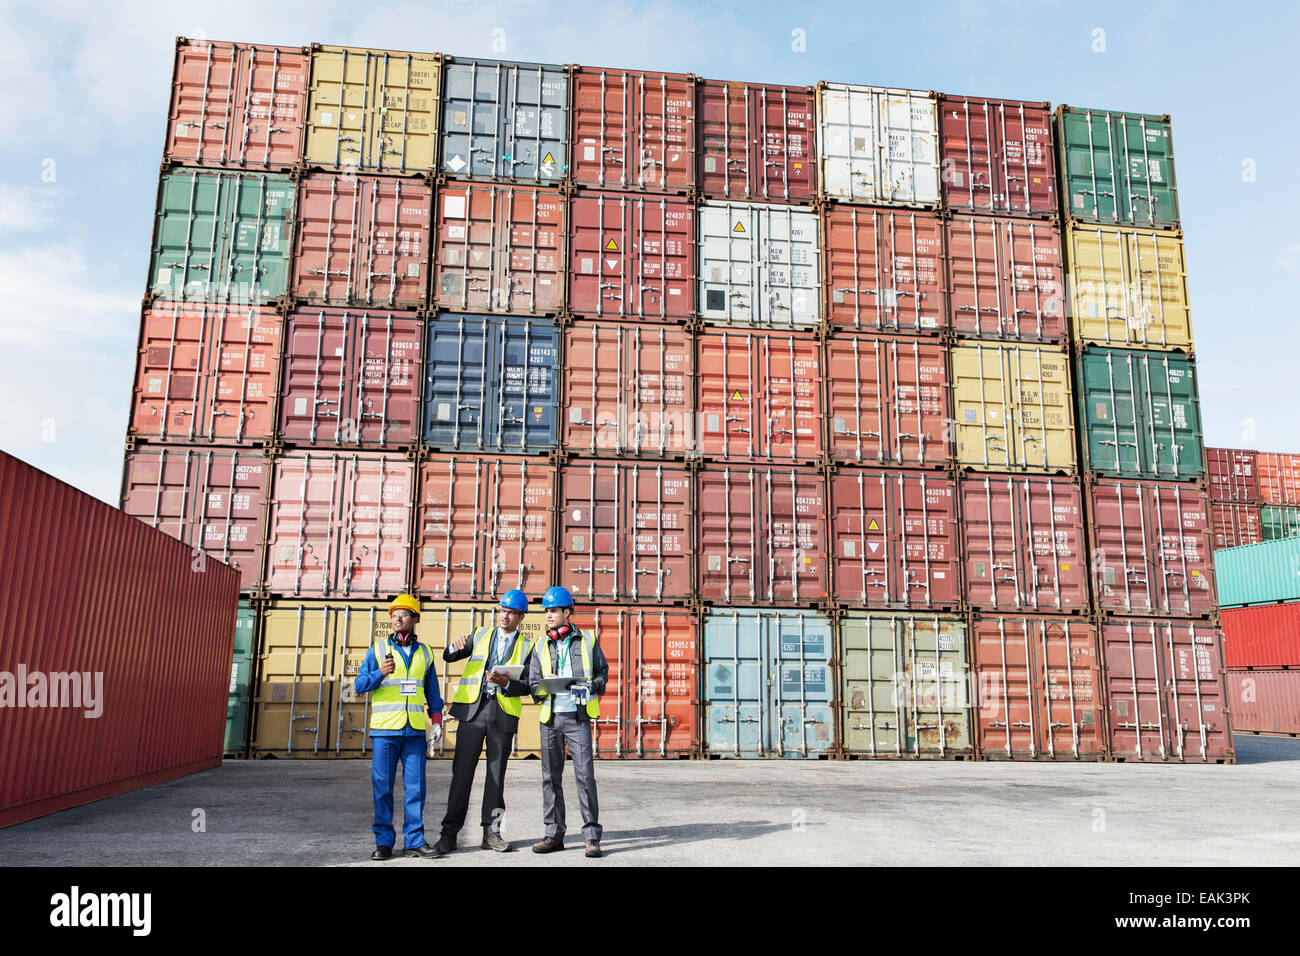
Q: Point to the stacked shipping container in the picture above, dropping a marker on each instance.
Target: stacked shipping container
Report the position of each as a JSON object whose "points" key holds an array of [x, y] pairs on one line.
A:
{"points": [[1254, 495]]}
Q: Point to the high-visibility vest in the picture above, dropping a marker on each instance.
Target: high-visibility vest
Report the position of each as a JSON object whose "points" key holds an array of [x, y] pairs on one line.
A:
{"points": [[471, 681], [389, 710], [588, 643]]}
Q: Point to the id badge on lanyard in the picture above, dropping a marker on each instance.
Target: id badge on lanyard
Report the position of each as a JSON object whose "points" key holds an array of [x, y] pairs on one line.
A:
{"points": [[410, 687]]}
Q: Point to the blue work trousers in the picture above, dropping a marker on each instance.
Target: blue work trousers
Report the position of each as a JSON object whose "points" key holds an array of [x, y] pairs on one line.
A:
{"points": [[409, 749]]}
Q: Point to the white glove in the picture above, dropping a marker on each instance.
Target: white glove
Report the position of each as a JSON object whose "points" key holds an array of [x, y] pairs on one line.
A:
{"points": [[432, 736]]}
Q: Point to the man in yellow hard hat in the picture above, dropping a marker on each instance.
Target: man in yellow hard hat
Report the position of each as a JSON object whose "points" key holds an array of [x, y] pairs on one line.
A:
{"points": [[405, 703]]}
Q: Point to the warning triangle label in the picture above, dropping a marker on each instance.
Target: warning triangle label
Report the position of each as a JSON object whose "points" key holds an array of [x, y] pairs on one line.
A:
{"points": [[548, 158], [739, 227], [736, 397], [873, 526], [873, 546], [612, 245]]}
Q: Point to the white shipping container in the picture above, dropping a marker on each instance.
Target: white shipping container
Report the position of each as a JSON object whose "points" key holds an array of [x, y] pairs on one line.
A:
{"points": [[878, 145]]}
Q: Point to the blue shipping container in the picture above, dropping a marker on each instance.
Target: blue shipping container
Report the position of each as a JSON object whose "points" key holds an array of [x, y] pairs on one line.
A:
{"points": [[1262, 573]]}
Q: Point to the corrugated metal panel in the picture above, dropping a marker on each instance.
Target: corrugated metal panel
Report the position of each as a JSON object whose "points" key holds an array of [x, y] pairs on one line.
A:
{"points": [[241, 681], [878, 145], [375, 110], [491, 384], [997, 156], [207, 372], [1234, 524], [1279, 478], [1040, 689], [905, 685], [769, 688], [1141, 414], [1117, 168], [760, 265], [1005, 279], [1258, 573], [1014, 409], [756, 142], [1130, 287], [1278, 521], [1263, 636], [505, 120], [1233, 475], [237, 104], [102, 697], [1264, 702]]}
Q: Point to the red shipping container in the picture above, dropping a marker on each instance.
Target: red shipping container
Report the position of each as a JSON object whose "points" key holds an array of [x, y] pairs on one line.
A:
{"points": [[101, 696], [1164, 684], [626, 531], [1151, 548], [997, 156], [485, 524], [1264, 702], [237, 105], [894, 540], [1040, 691], [1264, 635], [1279, 478], [757, 142], [1232, 473], [884, 269], [632, 257], [887, 401], [629, 389], [339, 525], [500, 249], [1006, 279], [759, 396], [650, 707], [633, 130], [1022, 544], [762, 535], [1235, 525], [362, 241], [207, 372], [351, 377]]}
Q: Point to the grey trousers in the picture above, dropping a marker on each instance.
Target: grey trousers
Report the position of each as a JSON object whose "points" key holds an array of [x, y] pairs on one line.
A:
{"points": [[578, 734]]}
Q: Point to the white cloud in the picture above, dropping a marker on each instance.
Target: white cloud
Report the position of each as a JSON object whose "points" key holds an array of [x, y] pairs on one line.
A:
{"points": [[1289, 258], [29, 207], [50, 295]]}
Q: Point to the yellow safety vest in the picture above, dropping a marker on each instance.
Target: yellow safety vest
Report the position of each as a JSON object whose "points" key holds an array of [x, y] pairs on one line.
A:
{"points": [[389, 710], [588, 642], [471, 681]]}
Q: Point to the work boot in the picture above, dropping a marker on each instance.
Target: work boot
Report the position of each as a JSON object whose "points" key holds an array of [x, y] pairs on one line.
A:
{"points": [[382, 853], [446, 844], [426, 851], [492, 840], [548, 845], [593, 849]]}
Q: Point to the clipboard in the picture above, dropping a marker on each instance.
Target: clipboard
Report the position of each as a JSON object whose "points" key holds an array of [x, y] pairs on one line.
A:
{"points": [[512, 671], [553, 685]]}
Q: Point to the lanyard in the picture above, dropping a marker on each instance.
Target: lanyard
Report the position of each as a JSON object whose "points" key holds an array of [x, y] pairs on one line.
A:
{"points": [[563, 658]]}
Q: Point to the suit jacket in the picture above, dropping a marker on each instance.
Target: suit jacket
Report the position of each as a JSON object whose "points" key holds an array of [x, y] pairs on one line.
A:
{"points": [[599, 666], [503, 722]]}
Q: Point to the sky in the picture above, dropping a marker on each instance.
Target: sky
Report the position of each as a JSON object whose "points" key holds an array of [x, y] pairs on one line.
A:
{"points": [[81, 135]]}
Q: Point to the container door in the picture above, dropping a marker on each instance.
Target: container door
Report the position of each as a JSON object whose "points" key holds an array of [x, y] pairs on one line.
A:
{"points": [[1139, 723], [1109, 381], [241, 667], [730, 266], [243, 358], [592, 503], [729, 524], [1089, 165], [187, 260], [317, 389], [789, 409], [729, 394], [735, 682], [527, 355], [860, 396], [530, 262], [794, 511], [789, 287], [355, 629], [1069, 677], [1149, 194], [268, 130], [1044, 415], [1174, 418], [169, 372], [801, 690], [386, 357], [536, 120], [375, 540], [1194, 685], [848, 143], [871, 675], [402, 128], [936, 671], [983, 400], [459, 399], [259, 229], [293, 693], [467, 242], [908, 134], [473, 120], [336, 115], [660, 525], [1009, 714]]}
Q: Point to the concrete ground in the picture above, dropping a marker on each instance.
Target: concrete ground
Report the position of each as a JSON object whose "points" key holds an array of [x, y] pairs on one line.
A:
{"points": [[318, 813]]}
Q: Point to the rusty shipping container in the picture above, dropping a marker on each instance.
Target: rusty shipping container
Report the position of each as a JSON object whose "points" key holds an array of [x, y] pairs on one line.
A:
{"points": [[626, 531], [759, 396], [894, 540], [762, 535], [651, 703], [500, 249], [1150, 547], [103, 698], [1264, 701], [207, 372], [629, 390], [997, 156], [1263, 636], [1279, 478], [1233, 475], [1022, 544], [212, 499], [351, 378], [633, 130], [1235, 524], [877, 145], [1164, 685], [339, 525], [756, 142], [887, 401], [238, 105], [484, 524], [1040, 688], [1006, 279], [631, 256], [885, 270]]}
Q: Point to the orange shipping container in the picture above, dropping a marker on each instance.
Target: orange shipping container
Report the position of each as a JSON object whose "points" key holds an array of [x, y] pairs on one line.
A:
{"points": [[1279, 478]]}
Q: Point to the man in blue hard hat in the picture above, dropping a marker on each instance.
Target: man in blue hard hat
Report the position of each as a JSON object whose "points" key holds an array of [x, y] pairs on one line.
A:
{"points": [[567, 672], [486, 706]]}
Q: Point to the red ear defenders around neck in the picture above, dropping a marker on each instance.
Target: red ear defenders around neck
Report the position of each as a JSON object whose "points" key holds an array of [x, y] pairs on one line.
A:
{"points": [[555, 633]]}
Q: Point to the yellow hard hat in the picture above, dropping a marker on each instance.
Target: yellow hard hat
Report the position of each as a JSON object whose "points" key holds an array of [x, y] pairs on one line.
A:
{"points": [[407, 602]]}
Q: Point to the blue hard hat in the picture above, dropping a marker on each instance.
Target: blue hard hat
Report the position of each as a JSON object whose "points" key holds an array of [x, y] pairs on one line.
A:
{"points": [[514, 600], [557, 596]]}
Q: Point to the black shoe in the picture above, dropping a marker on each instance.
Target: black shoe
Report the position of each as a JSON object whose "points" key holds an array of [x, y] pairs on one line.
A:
{"points": [[426, 851], [593, 849], [382, 853], [548, 845], [492, 840], [446, 844]]}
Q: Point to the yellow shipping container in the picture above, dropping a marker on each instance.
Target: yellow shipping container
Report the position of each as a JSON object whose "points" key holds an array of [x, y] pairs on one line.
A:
{"points": [[1013, 408], [375, 110], [1129, 287]]}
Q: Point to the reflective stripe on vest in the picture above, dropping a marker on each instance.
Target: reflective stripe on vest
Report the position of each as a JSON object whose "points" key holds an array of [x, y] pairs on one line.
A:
{"points": [[389, 710], [544, 658], [471, 681]]}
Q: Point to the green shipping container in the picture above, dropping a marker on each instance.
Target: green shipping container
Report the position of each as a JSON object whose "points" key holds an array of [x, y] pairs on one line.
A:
{"points": [[1263, 573], [223, 237], [1279, 521], [1141, 414], [1117, 168], [241, 681]]}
